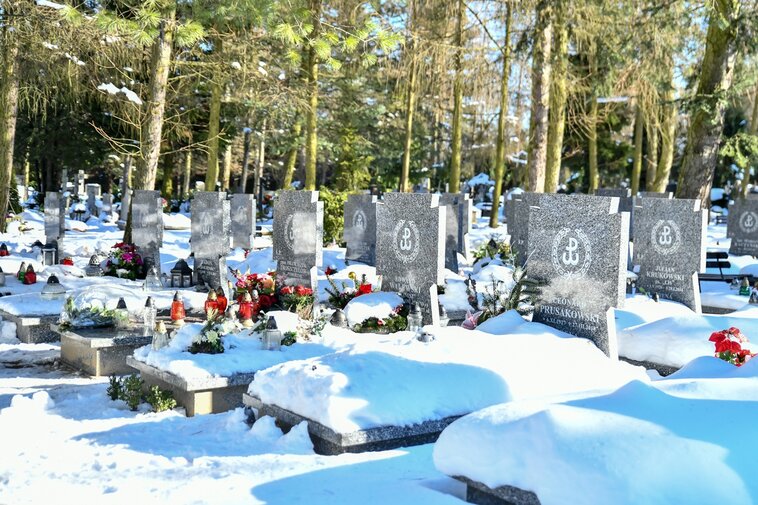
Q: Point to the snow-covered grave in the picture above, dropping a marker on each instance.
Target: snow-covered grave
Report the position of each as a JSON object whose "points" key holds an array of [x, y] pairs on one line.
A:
{"points": [[685, 439]]}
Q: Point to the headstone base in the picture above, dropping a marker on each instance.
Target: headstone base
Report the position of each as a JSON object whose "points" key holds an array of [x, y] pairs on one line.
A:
{"points": [[33, 329], [328, 442], [208, 396], [478, 493]]}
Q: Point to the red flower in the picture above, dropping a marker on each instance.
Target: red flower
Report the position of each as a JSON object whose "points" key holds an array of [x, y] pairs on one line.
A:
{"points": [[303, 291], [287, 290], [266, 301], [330, 270], [717, 336], [364, 289], [67, 261]]}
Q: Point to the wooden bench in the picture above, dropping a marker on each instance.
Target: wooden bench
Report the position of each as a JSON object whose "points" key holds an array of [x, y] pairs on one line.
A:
{"points": [[721, 219], [720, 260]]}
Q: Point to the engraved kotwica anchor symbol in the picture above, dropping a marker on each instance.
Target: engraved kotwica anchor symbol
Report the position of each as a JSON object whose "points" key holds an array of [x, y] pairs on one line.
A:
{"points": [[749, 221], [665, 237], [570, 257], [405, 243]]}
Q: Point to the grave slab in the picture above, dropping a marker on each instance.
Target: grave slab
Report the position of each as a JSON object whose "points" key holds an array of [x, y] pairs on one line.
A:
{"points": [[212, 395], [669, 248], [410, 248], [32, 329], [578, 252], [298, 237], [742, 227], [328, 442], [100, 351], [360, 228], [480, 494]]}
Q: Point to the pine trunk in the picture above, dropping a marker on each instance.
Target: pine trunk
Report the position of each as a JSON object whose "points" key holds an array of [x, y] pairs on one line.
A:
{"points": [[8, 107], [187, 174], [227, 174], [291, 160], [707, 122], [558, 95], [214, 129], [457, 140], [538, 124], [501, 120], [261, 158], [651, 159], [753, 130], [668, 136], [245, 161], [594, 176], [311, 123], [152, 124], [639, 130]]}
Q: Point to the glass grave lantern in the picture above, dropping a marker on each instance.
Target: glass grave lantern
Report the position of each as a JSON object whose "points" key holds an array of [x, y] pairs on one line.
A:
{"points": [[2, 277], [122, 313], [272, 336], [152, 280], [178, 312], [181, 275], [444, 318], [93, 268], [415, 318], [338, 319], [160, 336], [53, 289], [4, 250], [50, 253], [246, 310], [148, 317]]}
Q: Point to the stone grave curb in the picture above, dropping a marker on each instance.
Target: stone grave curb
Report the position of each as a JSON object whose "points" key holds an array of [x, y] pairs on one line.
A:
{"points": [[98, 356], [480, 494], [33, 329], [328, 442]]}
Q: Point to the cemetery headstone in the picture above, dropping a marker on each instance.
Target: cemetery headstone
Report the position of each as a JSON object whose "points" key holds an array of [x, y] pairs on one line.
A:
{"points": [[578, 250], [80, 182], [298, 237], [518, 227], [93, 191], [107, 200], [626, 204], [654, 194], [242, 208], [452, 204], [742, 227], [55, 217], [465, 210], [410, 248], [360, 228], [669, 248], [211, 223], [64, 180], [147, 227]]}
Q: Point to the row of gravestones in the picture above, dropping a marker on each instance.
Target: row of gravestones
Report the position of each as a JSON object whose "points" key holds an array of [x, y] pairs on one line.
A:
{"points": [[577, 247]]}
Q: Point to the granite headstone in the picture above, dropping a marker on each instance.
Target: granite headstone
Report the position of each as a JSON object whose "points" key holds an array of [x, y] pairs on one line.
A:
{"points": [[742, 227], [242, 207], [655, 194], [55, 217], [80, 182], [578, 251], [669, 248], [147, 226], [107, 200], [93, 191], [410, 248], [298, 237], [465, 219], [210, 228], [360, 228]]}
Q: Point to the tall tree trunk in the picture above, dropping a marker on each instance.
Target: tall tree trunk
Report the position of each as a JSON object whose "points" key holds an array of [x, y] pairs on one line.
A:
{"points": [[245, 160], [668, 136], [410, 102], [311, 124], [187, 174], [639, 130], [594, 175], [753, 130], [651, 159], [152, 124], [167, 187], [261, 158], [457, 140], [227, 174], [707, 122], [558, 94], [291, 160], [502, 141], [8, 105], [214, 129], [537, 157], [25, 196]]}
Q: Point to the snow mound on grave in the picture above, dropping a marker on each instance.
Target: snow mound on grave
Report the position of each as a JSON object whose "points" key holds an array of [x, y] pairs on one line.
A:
{"points": [[8, 333], [176, 222], [496, 271], [636, 445], [405, 382], [73, 225], [379, 305], [455, 297], [640, 309], [677, 340]]}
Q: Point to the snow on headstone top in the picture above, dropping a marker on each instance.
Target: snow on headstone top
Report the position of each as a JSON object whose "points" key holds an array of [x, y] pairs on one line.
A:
{"points": [[669, 248], [578, 249]]}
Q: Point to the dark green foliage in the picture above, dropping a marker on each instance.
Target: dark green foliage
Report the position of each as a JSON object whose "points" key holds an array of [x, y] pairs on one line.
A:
{"points": [[160, 399], [115, 388], [334, 207], [391, 324], [132, 391], [290, 338]]}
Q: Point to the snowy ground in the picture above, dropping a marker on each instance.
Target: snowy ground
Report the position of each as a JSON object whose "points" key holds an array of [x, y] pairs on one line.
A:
{"points": [[60, 436]]}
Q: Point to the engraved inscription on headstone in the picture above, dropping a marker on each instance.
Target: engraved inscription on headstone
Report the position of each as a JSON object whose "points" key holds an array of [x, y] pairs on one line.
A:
{"points": [[147, 226], [298, 237], [742, 227], [242, 208], [669, 248], [360, 228], [211, 222], [410, 248], [578, 250]]}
